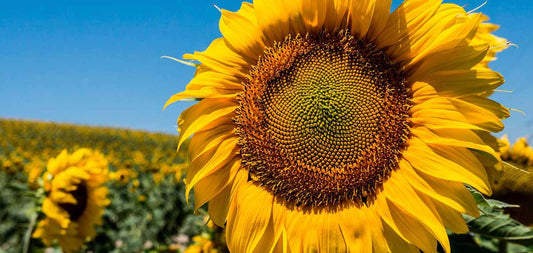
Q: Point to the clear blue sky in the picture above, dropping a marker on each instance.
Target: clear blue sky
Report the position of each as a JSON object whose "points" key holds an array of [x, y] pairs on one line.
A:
{"points": [[97, 62]]}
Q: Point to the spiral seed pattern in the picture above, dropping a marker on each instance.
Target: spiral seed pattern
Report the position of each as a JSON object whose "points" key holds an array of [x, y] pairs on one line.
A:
{"points": [[323, 119]]}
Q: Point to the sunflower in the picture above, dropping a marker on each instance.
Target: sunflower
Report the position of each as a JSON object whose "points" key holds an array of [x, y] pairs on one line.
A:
{"points": [[514, 183], [75, 200], [34, 171], [212, 240], [336, 125], [201, 244], [123, 175]]}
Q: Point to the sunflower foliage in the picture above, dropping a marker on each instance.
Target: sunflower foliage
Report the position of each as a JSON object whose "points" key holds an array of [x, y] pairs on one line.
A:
{"points": [[147, 210], [494, 230], [13, 222]]}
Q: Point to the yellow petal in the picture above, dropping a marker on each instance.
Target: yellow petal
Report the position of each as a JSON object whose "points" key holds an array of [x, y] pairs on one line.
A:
{"points": [[313, 14], [451, 219], [478, 115], [338, 14], [242, 32], [379, 18], [449, 193], [206, 92], [219, 56], [222, 82], [452, 37], [200, 115], [279, 213], [212, 185], [453, 137], [274, 18], [281, 244], [404, 225], [461, 57], [362, 12], [462, 82], [399, 192], [210, 162], [454, 112], [268, 240], [207, 140], [330, 235], [218, 207], [493, 107], [396, 243], [441, 167], [298, 224], [403, 22], [250, 210], [356, 224]]}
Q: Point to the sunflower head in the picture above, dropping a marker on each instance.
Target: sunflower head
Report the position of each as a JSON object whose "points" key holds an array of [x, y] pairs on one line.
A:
{"points": [[34, 171], [311, 88], [76, 197], [514, 182], [336, 125], [123, 175]]}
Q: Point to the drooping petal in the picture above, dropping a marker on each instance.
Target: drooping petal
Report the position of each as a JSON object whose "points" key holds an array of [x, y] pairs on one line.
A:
{"points": [[250, 210]]}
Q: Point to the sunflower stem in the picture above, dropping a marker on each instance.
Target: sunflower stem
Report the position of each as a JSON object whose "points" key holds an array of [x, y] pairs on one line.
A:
{"points": [[502, 246], [27, 236]]}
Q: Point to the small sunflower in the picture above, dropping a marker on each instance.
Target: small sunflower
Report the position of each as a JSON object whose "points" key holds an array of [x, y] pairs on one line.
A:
{"points": [[336, 125], [514, 183], [34, 171], [201, 244], [210, 241], [76, 197], [123, 175]]}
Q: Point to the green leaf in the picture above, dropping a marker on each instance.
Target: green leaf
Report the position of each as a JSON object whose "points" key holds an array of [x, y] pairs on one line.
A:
{"points": [[499, 204], [499, 227], [488, 204], [493, 223]]}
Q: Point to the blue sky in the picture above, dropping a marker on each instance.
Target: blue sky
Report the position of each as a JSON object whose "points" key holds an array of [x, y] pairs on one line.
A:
{"points": [[97, 62]]}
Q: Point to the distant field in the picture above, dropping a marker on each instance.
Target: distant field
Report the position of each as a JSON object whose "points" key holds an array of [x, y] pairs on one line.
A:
{"points": [[147, 209]]}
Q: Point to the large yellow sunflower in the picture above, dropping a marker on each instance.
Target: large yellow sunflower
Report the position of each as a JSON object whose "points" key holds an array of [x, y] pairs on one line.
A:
{"points": [[335, 126], [75, 200]]}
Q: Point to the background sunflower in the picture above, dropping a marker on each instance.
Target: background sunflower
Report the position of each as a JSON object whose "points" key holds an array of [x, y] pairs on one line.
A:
{"points": [[76, 198], [514, 183]]}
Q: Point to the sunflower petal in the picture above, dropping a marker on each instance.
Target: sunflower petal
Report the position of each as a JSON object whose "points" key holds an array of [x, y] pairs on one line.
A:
{"points": [[250, 210], [210, 162], [218, 206], [241, 31], [458, 83], [441, 167], [397, 188], [212, 185], [405, 225], [200, 115], [452, 194]]}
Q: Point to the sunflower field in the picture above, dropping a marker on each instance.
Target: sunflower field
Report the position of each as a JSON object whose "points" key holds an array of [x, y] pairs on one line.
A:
{"points": [[146, 209], [314, 126]]}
